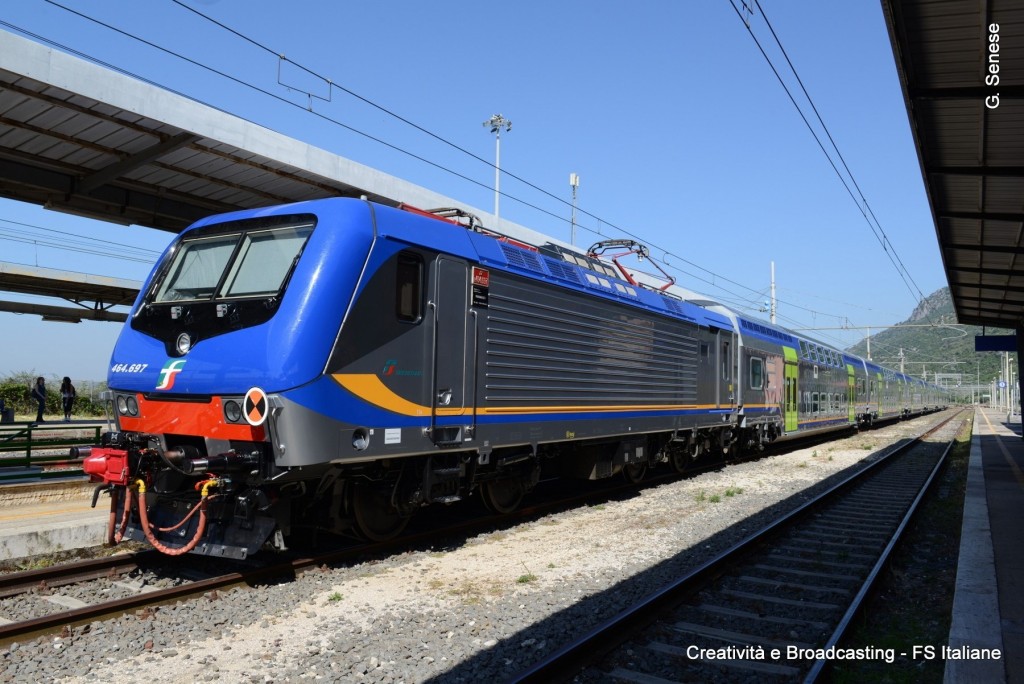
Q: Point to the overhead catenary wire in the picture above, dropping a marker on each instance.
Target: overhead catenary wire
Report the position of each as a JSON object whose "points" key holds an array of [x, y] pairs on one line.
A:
{"points": [[334, 84], [883, 240], [51, 238], [715, 279], [824, 127], [842, 160]]}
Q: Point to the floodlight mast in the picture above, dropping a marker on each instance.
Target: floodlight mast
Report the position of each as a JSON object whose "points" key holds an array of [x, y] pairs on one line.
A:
{"points": [[496, 123]]}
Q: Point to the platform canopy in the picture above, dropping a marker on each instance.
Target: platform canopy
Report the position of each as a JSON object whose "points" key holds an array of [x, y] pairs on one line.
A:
{"points": [[84, 139], [91, 296], [961, 65]]}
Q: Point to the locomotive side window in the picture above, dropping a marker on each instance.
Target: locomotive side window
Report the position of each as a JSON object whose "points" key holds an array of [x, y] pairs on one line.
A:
{"points": [[408, 288], [756, 373]]}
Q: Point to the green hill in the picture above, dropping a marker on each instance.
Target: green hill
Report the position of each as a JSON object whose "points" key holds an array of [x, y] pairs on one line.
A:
{"points": [[933, 342]]}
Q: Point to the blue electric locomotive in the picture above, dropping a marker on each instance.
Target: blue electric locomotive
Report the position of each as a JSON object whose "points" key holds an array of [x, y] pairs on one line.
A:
{"points": [[337, 364]]}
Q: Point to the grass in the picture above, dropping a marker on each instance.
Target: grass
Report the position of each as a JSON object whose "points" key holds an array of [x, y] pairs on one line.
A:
{"points": [[472, 593], [527, 578], [335, 597], [702, 496], [38, 563]]}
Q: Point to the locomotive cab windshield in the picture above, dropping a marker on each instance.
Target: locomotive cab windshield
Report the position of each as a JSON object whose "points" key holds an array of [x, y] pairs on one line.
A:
{"points": [[247, 263], [223, 277]]}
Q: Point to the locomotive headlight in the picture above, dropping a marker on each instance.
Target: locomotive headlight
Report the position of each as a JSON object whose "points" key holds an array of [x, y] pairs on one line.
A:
{"points": [[183, 343], [122, 405], [132, 404], [232, 411]]}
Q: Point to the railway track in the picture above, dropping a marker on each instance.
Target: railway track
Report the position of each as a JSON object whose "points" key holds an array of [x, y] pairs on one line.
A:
{"points": [[50, 600], [775, 606]]}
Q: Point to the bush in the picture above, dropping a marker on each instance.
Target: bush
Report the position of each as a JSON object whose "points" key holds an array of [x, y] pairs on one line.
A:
{"points": [[16, 393]]}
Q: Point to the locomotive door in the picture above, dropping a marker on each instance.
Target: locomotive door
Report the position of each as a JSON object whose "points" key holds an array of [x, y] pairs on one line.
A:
{"points": [[451, 306], [725, 396]]}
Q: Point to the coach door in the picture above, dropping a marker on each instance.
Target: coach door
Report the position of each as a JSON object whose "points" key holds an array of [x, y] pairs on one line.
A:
{"points": [[851, 394], [792, 393], [451, 304]]}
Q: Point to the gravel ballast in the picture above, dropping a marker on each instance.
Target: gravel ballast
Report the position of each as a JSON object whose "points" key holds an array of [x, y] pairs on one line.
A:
{"points": [[481, 610]]}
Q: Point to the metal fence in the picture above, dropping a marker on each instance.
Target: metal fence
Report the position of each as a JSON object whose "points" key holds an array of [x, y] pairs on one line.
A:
{"points": [[31, 452]]}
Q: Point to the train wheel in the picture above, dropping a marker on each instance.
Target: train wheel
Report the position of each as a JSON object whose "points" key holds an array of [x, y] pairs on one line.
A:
{"points": [[375, 517], [679, 459], [502, 496], [634, 472]]}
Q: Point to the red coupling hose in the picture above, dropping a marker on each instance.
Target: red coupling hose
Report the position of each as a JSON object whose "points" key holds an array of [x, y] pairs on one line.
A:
{"points": [[148, 529], [115, 532]]}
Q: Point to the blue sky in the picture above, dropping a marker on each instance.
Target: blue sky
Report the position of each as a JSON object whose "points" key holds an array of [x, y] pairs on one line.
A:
{"points": [[675, 123]]}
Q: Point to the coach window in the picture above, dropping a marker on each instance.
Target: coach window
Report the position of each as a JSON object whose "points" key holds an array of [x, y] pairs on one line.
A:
{"points": [[409, 288], [756, 373], [815, 406]]}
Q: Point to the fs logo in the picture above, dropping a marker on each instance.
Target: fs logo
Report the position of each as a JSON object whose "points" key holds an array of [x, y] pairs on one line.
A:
{"points": [[168, 373], [391, 368]]}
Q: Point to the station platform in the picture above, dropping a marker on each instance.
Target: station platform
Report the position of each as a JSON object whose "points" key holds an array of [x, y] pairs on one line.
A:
{"points": [[988, 607], [46, 517]]}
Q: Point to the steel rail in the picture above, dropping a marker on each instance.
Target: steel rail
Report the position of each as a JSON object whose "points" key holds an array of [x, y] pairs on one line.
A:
{"points": [[564, 663], [859, 601], [14, 583], [20, 582]]}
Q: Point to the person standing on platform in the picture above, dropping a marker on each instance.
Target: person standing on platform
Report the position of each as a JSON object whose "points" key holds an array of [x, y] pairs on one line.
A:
{"points": [[39, 394], [67, 397]]}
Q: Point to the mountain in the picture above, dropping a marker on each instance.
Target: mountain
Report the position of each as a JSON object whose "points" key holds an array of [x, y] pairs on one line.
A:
{"points": [[932, 342]]}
